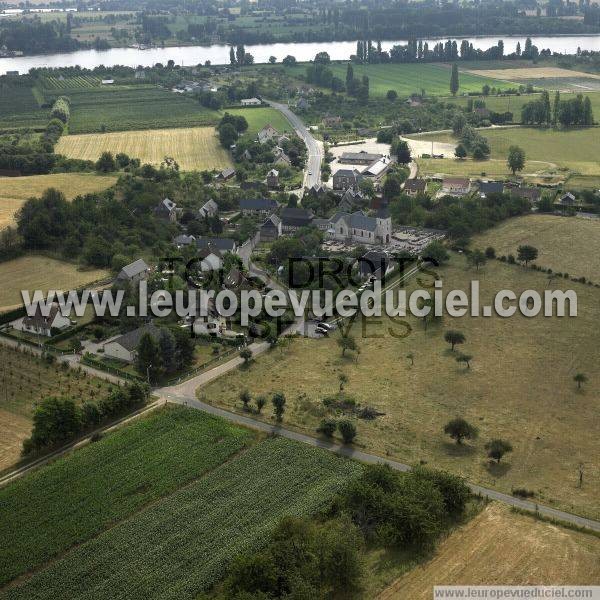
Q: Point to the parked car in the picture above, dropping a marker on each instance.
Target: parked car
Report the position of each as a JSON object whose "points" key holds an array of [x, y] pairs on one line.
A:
{"points": [[322, 330], [324, 325]]}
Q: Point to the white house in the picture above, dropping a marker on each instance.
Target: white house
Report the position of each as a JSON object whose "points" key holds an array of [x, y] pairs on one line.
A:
{"points": [[124, 347], [210, 259], [251, 102], [268, 132], [43, 325]]}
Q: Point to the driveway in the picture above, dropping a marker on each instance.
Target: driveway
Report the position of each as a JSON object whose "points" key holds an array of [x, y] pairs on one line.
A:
{"points": [[312, 172]]}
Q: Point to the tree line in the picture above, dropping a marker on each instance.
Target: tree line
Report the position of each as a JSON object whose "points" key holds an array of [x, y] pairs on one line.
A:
{"points": [[574, 111]]}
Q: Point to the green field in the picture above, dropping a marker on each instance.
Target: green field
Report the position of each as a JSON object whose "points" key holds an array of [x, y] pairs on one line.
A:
{"points": [[548, 150], [514, 104], [43, 515], [180, 545], [19, 108], [259, 117], [407, 79], [123, 108]]}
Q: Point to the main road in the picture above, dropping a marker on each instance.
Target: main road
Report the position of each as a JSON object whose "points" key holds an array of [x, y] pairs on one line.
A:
{"points": [[312, 172]]}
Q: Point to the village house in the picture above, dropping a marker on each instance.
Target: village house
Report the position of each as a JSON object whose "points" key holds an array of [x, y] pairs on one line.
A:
{"points": [[124, 347], [221, 244], [414, 186], [225, 174], [281, 158], [167, 210], [359, 158], [209, 209], [184, 240], [490, 187], [271, 229], [134, 272], [38, 324], [346, 178], [360, 229], [257, 206], [267, 133], [273, 179], [567, 200], [293, 219], [211, 259], [456, 186], [251, 102], [332, 121], [352, 200], [532, 194]]}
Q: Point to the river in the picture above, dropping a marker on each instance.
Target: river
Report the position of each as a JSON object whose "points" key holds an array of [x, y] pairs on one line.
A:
{"points": [[219, 53]]}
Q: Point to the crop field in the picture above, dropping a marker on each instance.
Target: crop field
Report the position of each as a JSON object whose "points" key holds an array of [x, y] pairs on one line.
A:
{"points": [[407, 79], [14, 191], [68, 83], [19, 108], [25, 380], [500, 547], [35, 272], [43, 516], [180, 545], [566, 245], [123, 108], [259, 117], [193, 147], [519, 387]]}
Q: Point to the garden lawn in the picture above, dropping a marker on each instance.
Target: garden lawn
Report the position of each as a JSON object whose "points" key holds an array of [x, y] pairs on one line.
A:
{"points": [[520, 388], [182, 544], [80, 495], [259, 117]]}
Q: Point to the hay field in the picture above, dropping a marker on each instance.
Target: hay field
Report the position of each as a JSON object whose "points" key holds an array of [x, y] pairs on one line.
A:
{"points": [[532, 73], [519, 387], [15, 190], [565, 244], [192, 147], [500, 547], [34, 272]]}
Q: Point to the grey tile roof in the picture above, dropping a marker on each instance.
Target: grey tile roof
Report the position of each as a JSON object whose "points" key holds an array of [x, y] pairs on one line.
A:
{"points": [[222, 244], [133, 269], [257, 204], [131, 339]]}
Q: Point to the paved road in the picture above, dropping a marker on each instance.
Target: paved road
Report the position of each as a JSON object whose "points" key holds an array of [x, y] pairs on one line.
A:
{"points": [[350, 452], [312, 172]]}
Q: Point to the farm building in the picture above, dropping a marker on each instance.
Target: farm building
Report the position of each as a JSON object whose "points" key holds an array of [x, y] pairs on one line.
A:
{"points": [[221, 244], [273, 178], [257, 206], [251, 102], [530, 193], [415, 186], [293, 219], [490, 187], [134, 272], [359, 158], [271, 229], [225, 174]]}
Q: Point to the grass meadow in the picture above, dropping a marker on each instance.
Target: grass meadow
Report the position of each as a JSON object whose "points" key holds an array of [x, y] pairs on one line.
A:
{"points": [[547, 151], [407, 79], [35, 272], [25, 381], [192, 493], [519, 387], [14, 191], [500, 547], [192, 147], [566, 244], [259, 117]]}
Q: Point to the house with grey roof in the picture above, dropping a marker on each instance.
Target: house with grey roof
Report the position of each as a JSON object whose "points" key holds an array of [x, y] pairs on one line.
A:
{"points": [[209, 209], [134, 272], [44, 321], [271, 229], [346, 178], [359, 158], [293, 218], [124, 347], [225, 174], [267, 133], [167, 210], [257, 206], [221, 244]]}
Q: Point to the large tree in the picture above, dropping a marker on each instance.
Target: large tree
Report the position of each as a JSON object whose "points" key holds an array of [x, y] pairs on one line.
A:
{"points": [[497, 448], [454, 83], [148, 361], [459, 429], [278, 401], [527, 253], [454, 338], [516, 159]]}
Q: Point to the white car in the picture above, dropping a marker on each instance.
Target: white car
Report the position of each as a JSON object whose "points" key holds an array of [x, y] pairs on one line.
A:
{"points": [[324, 325]]}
